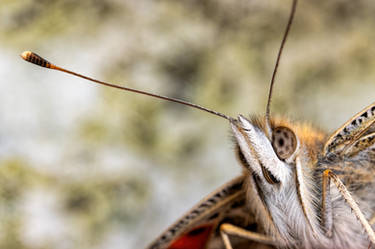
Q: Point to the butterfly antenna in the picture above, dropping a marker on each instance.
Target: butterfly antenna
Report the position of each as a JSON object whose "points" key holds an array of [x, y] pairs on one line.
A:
{"points": [[268, 108], [38, 60]]}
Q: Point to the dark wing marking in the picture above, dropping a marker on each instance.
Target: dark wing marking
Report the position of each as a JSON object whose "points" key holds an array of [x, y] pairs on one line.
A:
{"points": [[199, 227], [351, 131], [364, 144], [239, 215]]}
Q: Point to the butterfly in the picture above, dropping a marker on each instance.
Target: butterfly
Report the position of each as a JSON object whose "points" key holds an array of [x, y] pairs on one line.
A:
{"points": [[300, 188]]}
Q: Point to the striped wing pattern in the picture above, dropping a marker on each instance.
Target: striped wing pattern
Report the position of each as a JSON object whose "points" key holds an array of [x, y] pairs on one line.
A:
{"points": [[199, 227]]}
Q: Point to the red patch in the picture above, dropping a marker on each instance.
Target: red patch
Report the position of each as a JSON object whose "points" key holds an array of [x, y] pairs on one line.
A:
{"points": [[194, 239]]}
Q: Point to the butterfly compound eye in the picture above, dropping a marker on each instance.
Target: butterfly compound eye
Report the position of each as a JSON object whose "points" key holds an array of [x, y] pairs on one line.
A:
{"points": [[284, 142]]}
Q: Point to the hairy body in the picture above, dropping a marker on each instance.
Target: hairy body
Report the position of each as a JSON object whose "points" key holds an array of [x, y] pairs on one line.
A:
{"points": [[282, 214]]}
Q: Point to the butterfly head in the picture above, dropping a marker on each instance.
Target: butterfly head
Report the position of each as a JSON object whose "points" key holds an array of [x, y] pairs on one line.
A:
{"points": [[270, 157]]}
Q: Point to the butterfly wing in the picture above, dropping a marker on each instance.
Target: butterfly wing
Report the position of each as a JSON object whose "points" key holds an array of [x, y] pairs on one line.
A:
{"points": [[199, 227], [349, 133], [354, 142]]}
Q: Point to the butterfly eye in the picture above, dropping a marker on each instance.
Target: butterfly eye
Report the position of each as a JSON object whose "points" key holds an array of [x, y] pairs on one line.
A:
{"points": [[284, 142]]}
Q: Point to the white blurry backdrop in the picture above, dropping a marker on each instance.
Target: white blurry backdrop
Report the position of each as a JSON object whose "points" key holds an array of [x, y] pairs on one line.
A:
{"points": [[83, 166]]}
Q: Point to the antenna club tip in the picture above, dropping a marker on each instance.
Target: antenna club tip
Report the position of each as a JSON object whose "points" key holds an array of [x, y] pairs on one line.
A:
{"points": [[26, 54], [36, 59]]}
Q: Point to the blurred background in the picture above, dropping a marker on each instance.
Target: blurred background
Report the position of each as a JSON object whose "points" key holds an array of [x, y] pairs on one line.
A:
{"points": [[83, 166]]}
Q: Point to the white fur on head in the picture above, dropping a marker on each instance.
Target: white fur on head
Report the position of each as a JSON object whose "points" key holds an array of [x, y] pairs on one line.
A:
{"points": [[258, 151]]}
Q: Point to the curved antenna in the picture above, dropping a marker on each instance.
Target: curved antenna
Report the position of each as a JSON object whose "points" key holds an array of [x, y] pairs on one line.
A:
{"points": [[268, 110], [37, 60]]}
